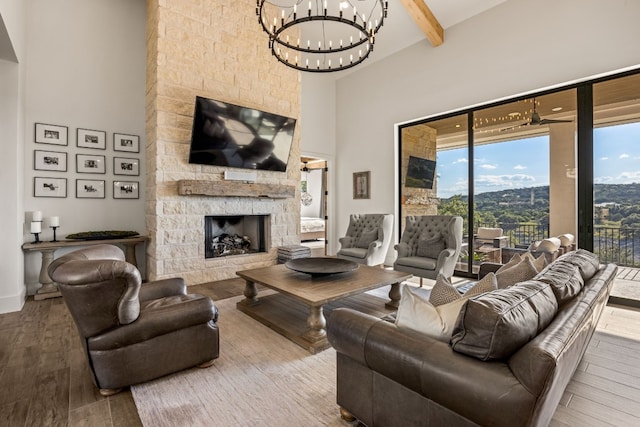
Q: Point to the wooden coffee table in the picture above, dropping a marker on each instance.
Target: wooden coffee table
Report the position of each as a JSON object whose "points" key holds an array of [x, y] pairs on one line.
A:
{"points": [[297, 310]]}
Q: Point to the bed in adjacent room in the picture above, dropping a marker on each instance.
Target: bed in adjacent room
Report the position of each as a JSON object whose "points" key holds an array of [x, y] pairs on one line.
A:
{"points": [[311, 228]]}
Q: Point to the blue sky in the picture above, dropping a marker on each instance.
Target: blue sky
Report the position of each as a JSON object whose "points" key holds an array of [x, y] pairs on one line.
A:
{"points": [[525, 163]]}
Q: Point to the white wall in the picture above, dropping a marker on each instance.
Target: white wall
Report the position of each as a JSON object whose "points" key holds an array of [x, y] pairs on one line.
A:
{"points": [[12, 291], [318, 138], [510, 49], [85, 68]]}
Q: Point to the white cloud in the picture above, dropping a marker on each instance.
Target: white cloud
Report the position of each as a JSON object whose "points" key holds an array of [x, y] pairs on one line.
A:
{"points": [[487, 166], [603, 180], [629, 177], [519, 167], [461, 160], [604, 158], [624, 156], [505, 181]]}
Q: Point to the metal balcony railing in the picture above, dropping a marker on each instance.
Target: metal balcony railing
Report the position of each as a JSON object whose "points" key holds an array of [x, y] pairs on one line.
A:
{"points": [[620, 245]]}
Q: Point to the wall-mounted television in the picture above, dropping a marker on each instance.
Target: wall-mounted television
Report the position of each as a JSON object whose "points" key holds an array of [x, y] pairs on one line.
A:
{"points": [[420, 173], [225, 134]]}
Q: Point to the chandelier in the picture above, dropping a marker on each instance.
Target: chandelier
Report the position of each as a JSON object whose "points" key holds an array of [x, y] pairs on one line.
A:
{"points": [[321, 35]]}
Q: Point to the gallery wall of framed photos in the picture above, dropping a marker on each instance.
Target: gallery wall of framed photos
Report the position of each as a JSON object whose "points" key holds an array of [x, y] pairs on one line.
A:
{"points": [[89, 167]]}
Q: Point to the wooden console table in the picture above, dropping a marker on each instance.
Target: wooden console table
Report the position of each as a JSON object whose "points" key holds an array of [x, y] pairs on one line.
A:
{"points": [[49, 289]]}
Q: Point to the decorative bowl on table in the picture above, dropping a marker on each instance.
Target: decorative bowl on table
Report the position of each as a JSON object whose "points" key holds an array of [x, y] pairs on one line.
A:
{"points": [[320, 266], [102, 235]]}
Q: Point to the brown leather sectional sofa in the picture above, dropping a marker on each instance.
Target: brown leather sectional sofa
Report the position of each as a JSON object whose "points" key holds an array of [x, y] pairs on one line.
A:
{"points": [[390, 376]]}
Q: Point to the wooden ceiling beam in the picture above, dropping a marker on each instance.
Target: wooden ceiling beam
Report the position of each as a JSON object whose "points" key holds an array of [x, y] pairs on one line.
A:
{"points": [[425, 19]]}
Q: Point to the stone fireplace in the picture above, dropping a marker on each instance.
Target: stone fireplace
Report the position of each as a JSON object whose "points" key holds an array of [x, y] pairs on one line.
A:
{"points": [[207, 48], [230, 235]]}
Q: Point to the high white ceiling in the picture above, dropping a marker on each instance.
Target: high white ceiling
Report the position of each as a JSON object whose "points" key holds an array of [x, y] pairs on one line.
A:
{"points": [[400, 31]]}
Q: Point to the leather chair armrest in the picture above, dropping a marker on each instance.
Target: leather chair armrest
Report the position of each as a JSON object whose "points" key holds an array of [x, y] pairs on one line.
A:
{"points": [[403, 249], [157, 318], [162, 288]]}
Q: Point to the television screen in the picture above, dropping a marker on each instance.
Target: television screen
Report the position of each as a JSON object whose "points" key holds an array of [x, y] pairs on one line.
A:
{"points": [[224, 134], [420, 173]]}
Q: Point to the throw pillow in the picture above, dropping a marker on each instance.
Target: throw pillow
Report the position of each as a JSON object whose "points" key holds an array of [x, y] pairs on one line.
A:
{"points": [[487, 284], [366, 238], [417, 313], [496, 324], [586, 261], [564, 278], [520, 272], [515, 259], [430, 247], [443, 292], [539, 263]]}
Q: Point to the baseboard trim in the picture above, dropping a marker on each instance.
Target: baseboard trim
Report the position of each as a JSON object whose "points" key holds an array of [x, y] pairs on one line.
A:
{"points": [[12, 303]]}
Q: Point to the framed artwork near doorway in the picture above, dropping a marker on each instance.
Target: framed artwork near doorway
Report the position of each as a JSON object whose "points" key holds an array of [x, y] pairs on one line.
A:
{"points": [[362, 185]]}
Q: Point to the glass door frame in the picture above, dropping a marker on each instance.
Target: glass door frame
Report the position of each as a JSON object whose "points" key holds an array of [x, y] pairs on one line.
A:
{"points": [[584, 149]]}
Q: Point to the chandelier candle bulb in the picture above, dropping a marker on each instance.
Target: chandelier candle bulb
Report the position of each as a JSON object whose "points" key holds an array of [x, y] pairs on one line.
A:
{"points": [[321, 19]]}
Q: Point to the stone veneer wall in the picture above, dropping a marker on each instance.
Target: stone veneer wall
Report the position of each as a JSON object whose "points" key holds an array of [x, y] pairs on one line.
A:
{"points": [[215, 49], [418, 141]]}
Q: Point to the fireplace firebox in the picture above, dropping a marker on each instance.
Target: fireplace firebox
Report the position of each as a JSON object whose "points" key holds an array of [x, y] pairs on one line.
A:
{"points": [[235, 235]]}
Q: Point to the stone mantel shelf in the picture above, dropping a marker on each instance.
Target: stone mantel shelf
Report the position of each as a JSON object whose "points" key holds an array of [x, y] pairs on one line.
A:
{"points": [[216, 188]]}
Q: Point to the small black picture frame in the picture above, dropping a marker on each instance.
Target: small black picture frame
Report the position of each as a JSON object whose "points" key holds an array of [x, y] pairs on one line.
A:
{"points": [[89, 163], [126, 166], [88, 138], [51, 134], [125, 142], [126, 189], [90, 189], [49, 161], [49, 187]]}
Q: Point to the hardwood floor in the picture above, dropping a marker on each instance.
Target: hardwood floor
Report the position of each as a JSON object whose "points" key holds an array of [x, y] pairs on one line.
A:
{"points": [[45, 379]]}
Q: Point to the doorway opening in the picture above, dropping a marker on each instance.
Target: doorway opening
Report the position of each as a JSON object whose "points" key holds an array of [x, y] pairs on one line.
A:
{"points": [[313, 204]]}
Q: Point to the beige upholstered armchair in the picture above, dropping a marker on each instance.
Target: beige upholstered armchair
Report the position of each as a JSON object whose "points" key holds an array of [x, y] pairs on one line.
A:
{"points": [[491, 236], [429, 245], [367, 239], [133, 332]]}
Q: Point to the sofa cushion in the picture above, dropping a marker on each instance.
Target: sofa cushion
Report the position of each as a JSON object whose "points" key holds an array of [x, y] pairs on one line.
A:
{"points": [[444, 292], [430, 247], [353, 252], [366, 238], [417, 313], [496, 324], [524, 270], [564, 278], [587, 262]]}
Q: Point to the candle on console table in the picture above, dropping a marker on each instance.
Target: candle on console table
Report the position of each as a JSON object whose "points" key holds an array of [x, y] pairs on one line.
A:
{"points": [[54, 221], [36, 216], [35, 227]]}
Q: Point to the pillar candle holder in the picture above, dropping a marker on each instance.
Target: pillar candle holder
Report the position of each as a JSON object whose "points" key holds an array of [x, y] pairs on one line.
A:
{"points": [[37, 236], [54, 233]]}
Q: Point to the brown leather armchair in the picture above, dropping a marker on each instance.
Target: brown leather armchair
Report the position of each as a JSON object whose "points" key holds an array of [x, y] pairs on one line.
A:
{"points": [[133, 332]]}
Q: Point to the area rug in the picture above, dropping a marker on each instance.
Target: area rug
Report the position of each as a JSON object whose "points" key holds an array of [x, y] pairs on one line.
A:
{"points": [[260, 379]]}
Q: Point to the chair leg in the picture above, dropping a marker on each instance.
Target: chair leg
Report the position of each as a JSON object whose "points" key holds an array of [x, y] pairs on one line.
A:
{"points": [[206, 364], [106, 392]]}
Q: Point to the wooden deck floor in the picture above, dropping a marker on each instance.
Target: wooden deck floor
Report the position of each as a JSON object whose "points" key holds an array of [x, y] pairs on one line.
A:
{"points": [[45, 379]]}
